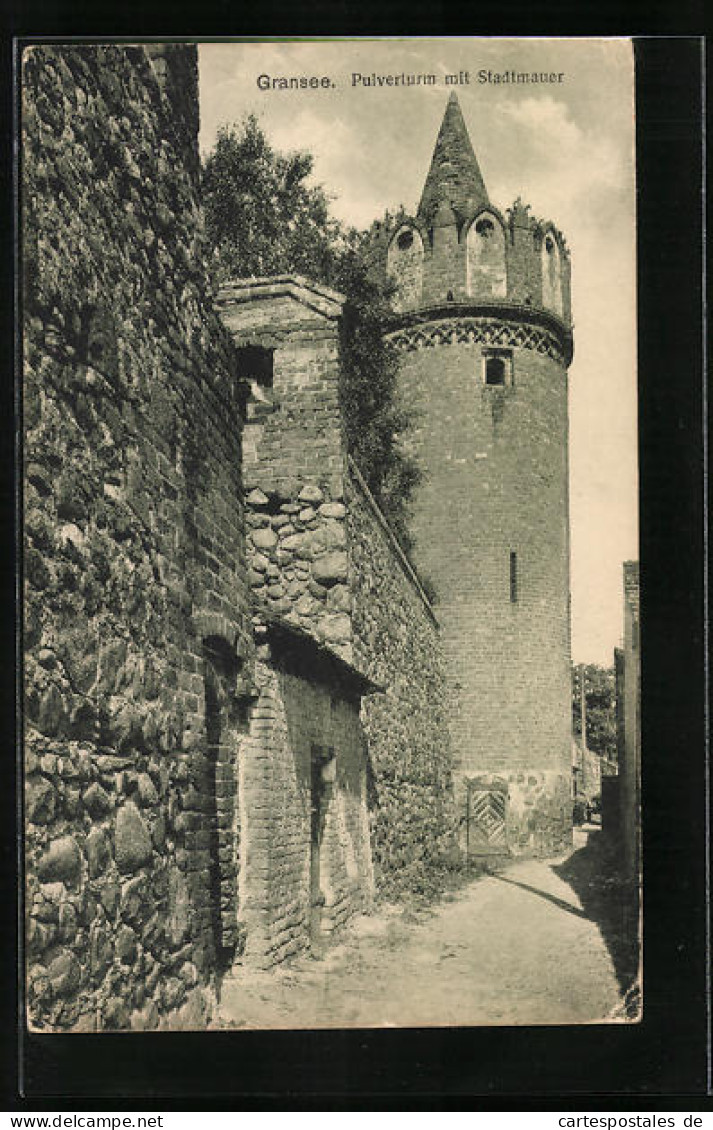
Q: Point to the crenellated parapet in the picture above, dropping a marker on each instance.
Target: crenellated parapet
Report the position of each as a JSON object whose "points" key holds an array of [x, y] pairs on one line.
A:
{"points": [[482, 255]]}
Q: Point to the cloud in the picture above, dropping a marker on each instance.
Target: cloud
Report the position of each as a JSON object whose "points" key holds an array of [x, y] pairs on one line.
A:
{"points": [[569, 171]]}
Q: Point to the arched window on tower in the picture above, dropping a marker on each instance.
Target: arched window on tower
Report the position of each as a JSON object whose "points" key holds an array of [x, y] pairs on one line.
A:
{"points": [[405, 265], [485, 246], [551, 274]]}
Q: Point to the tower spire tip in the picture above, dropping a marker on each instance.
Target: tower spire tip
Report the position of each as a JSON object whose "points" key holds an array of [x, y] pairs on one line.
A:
{"points": [[454, 170]]}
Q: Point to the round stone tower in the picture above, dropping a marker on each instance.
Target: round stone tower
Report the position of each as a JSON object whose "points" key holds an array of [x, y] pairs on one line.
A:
{"points": [[484, 336]]}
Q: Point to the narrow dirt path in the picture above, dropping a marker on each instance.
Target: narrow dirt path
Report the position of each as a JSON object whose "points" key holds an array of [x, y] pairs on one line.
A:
{"points": [[511, 948]]}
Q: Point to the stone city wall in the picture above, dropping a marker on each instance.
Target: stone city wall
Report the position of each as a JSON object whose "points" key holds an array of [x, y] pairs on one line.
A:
{"points": [[134, 555], [397, 642]]}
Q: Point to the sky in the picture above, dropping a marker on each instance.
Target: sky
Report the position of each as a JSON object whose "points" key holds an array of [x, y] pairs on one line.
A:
{"points": [[566, 148]]}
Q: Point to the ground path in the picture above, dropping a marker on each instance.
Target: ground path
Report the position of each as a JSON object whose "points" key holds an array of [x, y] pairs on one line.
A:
{"points": [[531, 944]]}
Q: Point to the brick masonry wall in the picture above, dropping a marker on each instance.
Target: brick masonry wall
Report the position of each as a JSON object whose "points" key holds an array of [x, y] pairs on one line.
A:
{"points": [[496, 463], [397, 642], [134, 548], [294, 712], [405, 266], [304, 431]]}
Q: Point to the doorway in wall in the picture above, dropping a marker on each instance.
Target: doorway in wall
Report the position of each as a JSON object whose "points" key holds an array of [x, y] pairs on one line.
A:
{"points": [[486, 819], [220, 786], [322, 765]]}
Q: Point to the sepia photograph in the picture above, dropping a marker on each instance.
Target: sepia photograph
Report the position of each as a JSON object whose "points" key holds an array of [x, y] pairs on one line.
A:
{"points": [[331, 632]]}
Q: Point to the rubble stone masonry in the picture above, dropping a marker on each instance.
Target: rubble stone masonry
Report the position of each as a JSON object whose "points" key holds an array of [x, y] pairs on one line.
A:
{"points": [[397, 640], [134, 566]]}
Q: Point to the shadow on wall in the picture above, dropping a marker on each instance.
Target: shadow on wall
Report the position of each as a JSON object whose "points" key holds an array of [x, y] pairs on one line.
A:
{"points": [[595, 876]]}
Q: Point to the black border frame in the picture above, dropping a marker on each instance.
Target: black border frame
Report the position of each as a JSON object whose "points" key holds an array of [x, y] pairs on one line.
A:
{"points": [[632, 1066]]}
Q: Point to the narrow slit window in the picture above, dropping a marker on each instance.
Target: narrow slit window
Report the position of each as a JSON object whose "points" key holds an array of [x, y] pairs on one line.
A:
{"points": [[513, 578]]}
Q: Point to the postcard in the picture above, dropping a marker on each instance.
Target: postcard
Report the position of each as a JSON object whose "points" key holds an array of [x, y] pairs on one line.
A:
{"points": [[331, 612]]}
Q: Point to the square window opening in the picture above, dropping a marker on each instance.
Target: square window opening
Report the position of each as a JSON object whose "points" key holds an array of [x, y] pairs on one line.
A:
{"points": [[256, 364], [497, 368]]}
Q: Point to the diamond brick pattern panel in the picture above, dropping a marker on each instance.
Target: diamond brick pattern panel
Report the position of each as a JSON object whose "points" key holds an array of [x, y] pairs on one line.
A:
{"points": [[471, 331]]}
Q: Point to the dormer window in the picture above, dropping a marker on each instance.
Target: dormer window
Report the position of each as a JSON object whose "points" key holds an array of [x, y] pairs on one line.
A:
{"points": [[485, 258], [551, 274], [404, 263]]}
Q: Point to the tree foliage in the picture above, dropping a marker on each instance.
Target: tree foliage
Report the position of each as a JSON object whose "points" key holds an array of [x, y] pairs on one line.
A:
{"points": [[263, 217], [600, 697]]}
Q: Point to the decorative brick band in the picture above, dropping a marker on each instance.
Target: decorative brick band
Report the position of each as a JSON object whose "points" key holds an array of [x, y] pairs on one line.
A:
{"points": [[477, 331]]}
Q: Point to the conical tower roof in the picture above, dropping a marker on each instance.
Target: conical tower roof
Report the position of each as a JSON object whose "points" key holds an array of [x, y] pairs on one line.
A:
{"points": [[454, 175]]}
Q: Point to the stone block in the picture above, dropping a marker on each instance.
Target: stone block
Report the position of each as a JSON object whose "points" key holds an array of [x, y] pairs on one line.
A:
{"points": [[173, 992], [264, 538], [146, 791], [333, 510], [132, 904], [125, 945], [41, 801], [339, 599], [330, 568], [62, 862], [257, 498], [68, 923], [311, 493], [96, 801], [109, 897], [82, 721], [52, 717], [336, 628], [132, 843], [64, 974], [98, 852]]}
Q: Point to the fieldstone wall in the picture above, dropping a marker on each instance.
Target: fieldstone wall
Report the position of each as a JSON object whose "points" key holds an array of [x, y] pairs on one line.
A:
{"points": [[299, 565], [397, 642], [134, 559]]}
